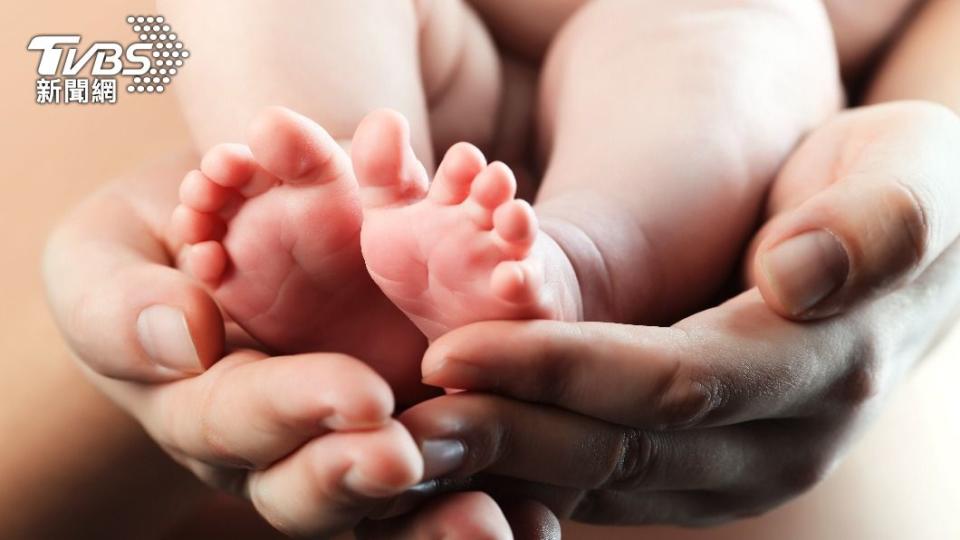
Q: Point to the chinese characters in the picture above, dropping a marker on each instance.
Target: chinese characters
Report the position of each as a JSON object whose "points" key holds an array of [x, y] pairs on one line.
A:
{"points": [[78, 90]]}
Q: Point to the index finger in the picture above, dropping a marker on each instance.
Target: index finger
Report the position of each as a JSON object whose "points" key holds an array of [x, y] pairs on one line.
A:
{"points": [[733, 363]]}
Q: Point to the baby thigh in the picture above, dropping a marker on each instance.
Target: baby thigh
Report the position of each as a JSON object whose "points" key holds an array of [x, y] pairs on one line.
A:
{"points": [[332, 61], [678, 114], [461, 74]]}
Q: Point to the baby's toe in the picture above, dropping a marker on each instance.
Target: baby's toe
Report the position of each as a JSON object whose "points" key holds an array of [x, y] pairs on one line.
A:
{"points": [[517, 282], [207, 261], [515, 228], [229, 165], [191, 226], [462, 163], [198, 220], [491, 188], [296, 149], [202, 194], [387, 170]]}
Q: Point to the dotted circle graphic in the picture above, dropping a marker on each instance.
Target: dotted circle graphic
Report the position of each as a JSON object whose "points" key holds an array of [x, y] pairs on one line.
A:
{"points": [[166, 51]]}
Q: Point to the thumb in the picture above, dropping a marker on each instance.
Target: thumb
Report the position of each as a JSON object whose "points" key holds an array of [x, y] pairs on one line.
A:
{"points": [[887, 212], [123, 310]]}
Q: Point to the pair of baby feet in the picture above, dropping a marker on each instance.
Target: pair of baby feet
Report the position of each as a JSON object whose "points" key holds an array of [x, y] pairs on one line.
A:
{"points": [[308, 249]]}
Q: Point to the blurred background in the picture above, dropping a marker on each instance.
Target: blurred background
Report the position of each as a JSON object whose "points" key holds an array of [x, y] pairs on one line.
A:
{"points": [[52, 156], [901, 481]]}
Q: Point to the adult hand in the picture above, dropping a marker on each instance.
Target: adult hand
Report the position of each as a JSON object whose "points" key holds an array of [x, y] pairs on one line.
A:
{"points": [[865, 206], [735, 409], [308, 439]]}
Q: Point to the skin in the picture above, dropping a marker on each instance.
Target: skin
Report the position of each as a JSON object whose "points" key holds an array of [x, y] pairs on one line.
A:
{"points": [[586, 270], [300, 469], [609, 247], [486, 411], [142, 252], [612, 201], [908, 275], [742, 169], [208, 446], [692, 386], [463, 250], [734, 385], [275, 240], [527, 28], [122, 321]]}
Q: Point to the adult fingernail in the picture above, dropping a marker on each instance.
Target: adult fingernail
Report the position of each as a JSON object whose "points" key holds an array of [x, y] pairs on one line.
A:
{"points": [[358, 482], [805, 269], [165, 337], [458, 374], [442, 456], [338, 422]]}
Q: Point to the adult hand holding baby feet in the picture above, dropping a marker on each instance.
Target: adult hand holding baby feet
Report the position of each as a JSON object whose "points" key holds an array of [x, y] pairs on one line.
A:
{"points": [[274, 228], [307, 438], [275, 233], [462, 250]]}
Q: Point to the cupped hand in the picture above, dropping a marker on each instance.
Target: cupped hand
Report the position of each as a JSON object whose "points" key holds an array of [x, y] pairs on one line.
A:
{"points": [[308, 439], [735, 409]]}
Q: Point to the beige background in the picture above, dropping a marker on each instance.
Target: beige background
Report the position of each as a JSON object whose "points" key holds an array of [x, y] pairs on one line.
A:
{"points": [[899, 482], [52, 156]]}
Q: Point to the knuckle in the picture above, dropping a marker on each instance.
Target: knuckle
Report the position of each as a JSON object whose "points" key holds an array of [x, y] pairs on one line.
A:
{"points": [[634, 458], [209, 434], [559, 370], [857, 386], [688, 395], [861, 378], [910, 225], [211, 437]]}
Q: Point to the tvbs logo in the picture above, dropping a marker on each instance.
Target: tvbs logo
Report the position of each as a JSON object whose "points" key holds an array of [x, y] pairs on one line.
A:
{"points": [[107, 57], [149, 64]]}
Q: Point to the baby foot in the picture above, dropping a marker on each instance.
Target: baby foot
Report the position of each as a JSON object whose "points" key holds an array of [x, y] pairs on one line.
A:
{"points": [[274, 230], [466, 250]]}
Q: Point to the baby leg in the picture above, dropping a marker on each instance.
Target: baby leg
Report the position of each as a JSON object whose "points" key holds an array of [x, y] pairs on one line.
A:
{"points": [[662, 124], [334, 62]]}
